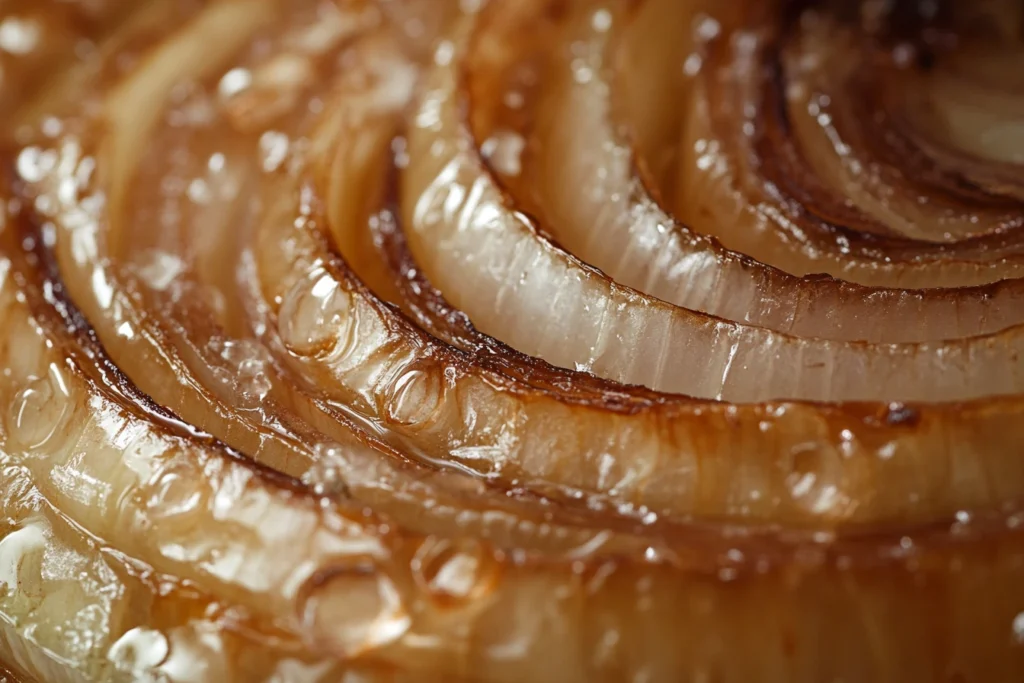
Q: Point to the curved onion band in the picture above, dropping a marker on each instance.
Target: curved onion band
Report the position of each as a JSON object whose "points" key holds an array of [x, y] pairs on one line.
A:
{"points": [[619, 227], [875, 209], [232, 453]]}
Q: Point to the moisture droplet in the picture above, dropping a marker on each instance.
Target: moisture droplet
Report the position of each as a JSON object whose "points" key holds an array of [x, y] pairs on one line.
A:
{"points": [[175, 492], [234, 82], [246, 372], [453, 571], [19, 36], [601, 21], [415, 397], [810, 481], [326, 477], [34, 164], [40, 410], [159, 269], [356, 611], [706, 28], [316, 318], [139, 651], [274, 148], [1018, 628], [504, 150]]}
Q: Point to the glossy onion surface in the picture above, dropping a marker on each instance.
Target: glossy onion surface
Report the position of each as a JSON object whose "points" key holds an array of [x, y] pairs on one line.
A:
{"points": [[511, 340]]}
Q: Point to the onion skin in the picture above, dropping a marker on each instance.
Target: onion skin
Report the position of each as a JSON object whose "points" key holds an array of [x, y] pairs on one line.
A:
{"points": [[249, 367]]}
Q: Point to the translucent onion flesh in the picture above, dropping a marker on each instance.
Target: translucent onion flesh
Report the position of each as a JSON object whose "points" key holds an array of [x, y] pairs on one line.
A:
{"points": [[229, 456], [618, 226]]}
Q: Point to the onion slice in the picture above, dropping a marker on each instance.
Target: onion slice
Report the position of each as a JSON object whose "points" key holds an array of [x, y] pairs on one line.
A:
{"points": [[294, 480]]}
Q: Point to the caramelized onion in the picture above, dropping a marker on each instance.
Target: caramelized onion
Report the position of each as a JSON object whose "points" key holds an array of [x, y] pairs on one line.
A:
{"points": [[492, 263], [298, 385], [621, 228]]}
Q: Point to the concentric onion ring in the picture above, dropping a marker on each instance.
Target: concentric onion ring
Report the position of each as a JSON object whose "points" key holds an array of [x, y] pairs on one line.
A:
{"points": [[270, 275]]}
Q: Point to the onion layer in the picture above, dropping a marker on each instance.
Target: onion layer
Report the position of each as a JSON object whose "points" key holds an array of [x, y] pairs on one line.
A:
{"points": [[297, 384]]}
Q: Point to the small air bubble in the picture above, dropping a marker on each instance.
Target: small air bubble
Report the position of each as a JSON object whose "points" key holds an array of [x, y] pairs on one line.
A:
{"points": [[19, 36], [234, 82], [199, 191], [1018, 628], [692, 65], [707, 28], [602, 20], [582, 72], [34, 164], [216, 163], [444, 53], [159, 269], [52, 127], [274, 148], [504, 150]]}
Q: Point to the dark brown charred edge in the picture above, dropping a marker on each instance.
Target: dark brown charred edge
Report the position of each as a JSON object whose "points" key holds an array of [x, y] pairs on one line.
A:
{"points": [[895, 147], [430, 305], [541, 376], [769, 543], [782, 176], [898, 148], [998, 184], [810, 287], [552, 11], [819, 284], [7, 673], [785, 179], [38, 275], [432, 312], [38, 271]]}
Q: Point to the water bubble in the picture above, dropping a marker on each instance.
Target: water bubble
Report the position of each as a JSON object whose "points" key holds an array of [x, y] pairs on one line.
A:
{"points": [[34, 164], [199, 191], [139, 652], [19, 36], [1018, 628], [582, 71], [274, 149], [234, 82], [444, 53], [159, 269], [40, 410], [416, 396], [174, 493], [453, 570], [601, 21], [811, 481], [316, 318], [706, 28], [504, 150], [356, 611], [327, 475], [693, 64], [246, 372]]}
